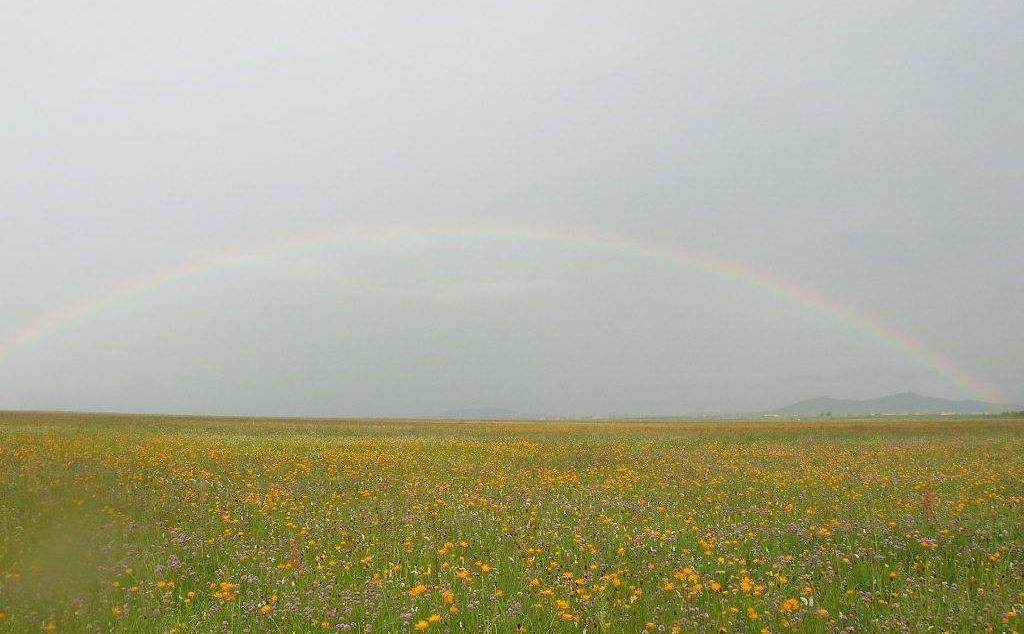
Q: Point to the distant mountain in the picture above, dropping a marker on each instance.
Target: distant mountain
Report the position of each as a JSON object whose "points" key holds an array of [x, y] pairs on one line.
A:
{"points": [[483, 413], [903, 403]]}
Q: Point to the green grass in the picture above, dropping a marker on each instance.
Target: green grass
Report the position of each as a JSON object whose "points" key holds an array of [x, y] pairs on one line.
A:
{"points": [[150, 524]]}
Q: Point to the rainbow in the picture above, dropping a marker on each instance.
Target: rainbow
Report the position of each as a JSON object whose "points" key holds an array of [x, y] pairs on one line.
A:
{"points": [[730, 271]]}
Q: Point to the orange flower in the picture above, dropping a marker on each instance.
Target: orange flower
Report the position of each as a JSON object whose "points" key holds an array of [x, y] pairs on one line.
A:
{"points": [[417, 590]]}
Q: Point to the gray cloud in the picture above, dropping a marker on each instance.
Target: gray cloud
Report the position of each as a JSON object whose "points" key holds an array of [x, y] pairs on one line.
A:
{"points": [[869, 153]]}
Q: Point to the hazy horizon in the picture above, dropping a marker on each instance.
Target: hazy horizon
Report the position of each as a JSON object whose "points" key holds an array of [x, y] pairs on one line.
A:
{"points": [[568, 209]]}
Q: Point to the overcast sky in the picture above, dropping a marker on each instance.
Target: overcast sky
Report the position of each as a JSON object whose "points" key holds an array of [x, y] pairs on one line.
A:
{"points": [[870, 153]]}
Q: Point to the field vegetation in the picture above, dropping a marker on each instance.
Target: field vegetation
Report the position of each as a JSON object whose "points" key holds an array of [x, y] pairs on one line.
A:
{"points": [[148, 524]]}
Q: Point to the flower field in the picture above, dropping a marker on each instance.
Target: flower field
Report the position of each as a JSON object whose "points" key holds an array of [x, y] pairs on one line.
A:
{"points": [[147, 524]]}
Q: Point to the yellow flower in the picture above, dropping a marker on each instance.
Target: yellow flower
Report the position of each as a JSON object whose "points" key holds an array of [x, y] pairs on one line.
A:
{"points": [[417, 590], [434, 618], [422, 625], [790, 605]]}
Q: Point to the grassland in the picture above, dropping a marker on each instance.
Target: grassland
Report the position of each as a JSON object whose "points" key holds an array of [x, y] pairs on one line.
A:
{"points": [[208, 525]]}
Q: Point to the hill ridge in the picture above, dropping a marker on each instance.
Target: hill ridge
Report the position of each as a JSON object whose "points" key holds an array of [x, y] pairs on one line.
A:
{"points": [[899, 403]]}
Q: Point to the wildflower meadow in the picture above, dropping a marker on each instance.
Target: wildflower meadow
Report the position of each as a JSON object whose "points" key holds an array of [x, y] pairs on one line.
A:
{"points": [[175, 525]]}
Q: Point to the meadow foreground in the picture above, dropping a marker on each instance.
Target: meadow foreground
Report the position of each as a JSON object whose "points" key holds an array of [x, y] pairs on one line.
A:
{"points": [[145, 524]]}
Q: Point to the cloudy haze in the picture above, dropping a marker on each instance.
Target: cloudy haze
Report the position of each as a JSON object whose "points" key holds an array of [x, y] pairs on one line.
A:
{"points": [[868, 153]]}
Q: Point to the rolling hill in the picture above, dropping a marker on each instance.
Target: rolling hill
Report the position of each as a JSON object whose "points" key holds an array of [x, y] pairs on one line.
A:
{"points": [[902, 403]]}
